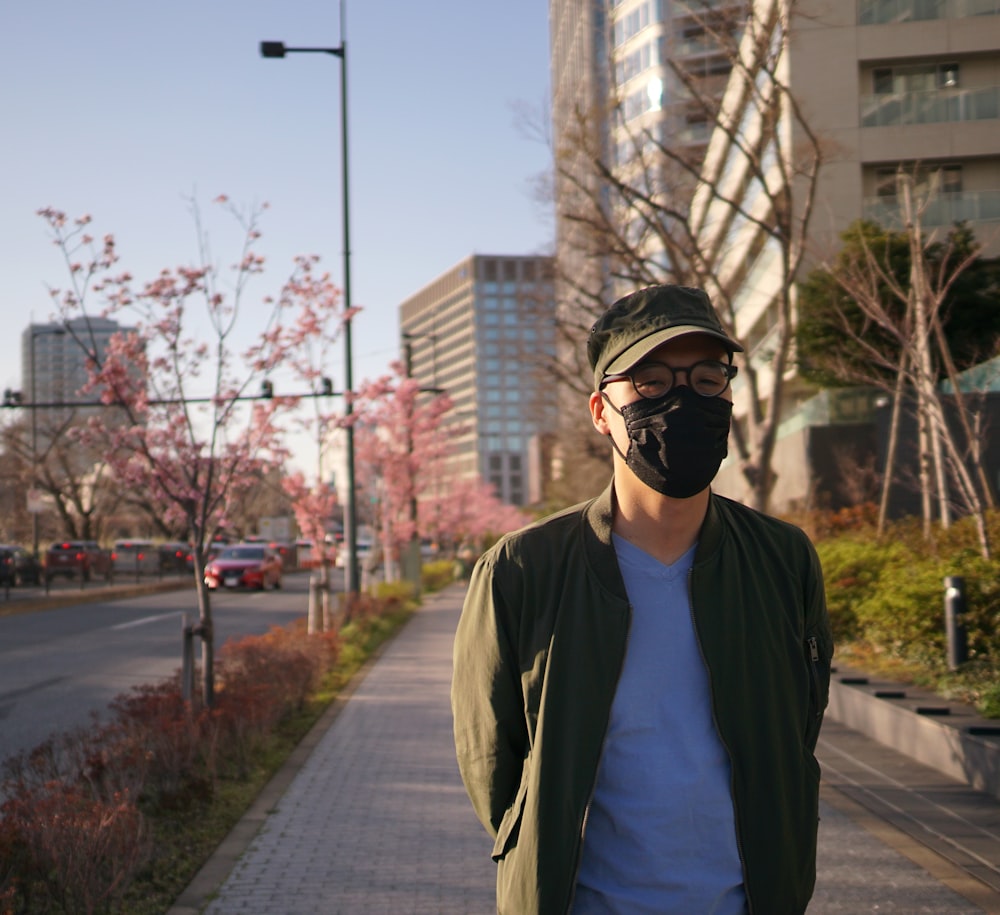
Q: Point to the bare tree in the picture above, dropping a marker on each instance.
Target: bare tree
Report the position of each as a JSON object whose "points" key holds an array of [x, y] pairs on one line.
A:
{"points": [[656, 210], [74, 478], [907, 313]]}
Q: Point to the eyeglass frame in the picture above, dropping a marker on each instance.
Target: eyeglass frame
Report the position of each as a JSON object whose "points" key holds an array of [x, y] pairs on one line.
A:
{"points": [[730, 373]]}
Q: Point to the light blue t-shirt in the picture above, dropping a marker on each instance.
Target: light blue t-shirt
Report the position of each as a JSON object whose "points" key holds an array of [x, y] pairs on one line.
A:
{"points": [[660, 835]]}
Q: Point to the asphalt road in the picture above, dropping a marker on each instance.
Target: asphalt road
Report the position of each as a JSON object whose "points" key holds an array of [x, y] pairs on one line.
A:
{"points": [[60, 665]]}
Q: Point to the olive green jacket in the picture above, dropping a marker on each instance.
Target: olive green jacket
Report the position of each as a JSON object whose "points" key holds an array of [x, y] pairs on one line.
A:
{"points": [[538, 653]]}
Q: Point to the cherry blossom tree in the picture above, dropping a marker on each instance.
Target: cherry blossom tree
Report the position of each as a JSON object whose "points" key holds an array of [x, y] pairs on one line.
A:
{"points": [[309, 341], [403, 445], [196, 424]]}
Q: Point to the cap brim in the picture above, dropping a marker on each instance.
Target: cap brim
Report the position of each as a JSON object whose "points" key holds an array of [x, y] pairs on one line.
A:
{"points": [[638, 351]]}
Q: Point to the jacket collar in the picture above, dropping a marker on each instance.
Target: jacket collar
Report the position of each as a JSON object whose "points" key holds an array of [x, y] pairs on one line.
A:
{"points": [[598, 518], [600, 551]]}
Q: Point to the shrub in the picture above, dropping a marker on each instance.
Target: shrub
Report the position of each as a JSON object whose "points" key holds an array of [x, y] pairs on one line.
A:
{"points": [[81, 852], [73, 828], [171, 735], [392, 595], [850, 569], [435, 575], [261, 680], [886, 600]]}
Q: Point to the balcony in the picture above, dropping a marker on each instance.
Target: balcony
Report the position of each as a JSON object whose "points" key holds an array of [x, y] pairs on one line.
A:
{"points": [[935, 107], [943, 209], [879, 12]]}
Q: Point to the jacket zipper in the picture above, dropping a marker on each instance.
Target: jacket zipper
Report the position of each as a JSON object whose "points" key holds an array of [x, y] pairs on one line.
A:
{"points": [[813, 646], [593, 784], [722, 740]]}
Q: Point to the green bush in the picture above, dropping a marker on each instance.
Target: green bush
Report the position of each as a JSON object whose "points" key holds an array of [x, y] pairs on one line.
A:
{"points": [[886, 601], [436, 575], [850, 568]]}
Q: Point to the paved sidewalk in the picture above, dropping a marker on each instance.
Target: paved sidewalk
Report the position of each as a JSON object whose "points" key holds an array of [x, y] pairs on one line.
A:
{"points": [[376, 819]]}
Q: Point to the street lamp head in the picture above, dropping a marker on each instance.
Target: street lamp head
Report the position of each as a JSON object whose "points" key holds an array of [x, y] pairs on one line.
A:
{"points": [[272, 49], [278, 49]]}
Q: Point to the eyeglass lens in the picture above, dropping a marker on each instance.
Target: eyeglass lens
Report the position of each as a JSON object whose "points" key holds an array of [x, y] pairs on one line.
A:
{"points": [[709, 378]]}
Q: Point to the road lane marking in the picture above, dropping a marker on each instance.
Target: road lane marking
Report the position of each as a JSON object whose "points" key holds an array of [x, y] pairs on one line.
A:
{"points": [[146, 619]]}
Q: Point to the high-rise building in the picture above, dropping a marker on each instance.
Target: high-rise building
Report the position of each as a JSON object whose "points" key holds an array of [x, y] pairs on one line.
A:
{"points": [[482, 333], [54, 361], [629, 77], [885, 87]]}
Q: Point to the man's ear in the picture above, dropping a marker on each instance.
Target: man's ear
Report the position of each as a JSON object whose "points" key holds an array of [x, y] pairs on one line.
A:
{"points": [[597, 415]]}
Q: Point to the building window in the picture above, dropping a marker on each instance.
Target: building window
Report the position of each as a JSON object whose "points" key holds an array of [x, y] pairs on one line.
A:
{"points": [[945, 179], [920, 78]]}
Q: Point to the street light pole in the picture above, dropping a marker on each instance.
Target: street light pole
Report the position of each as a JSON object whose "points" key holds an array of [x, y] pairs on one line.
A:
{"points": [[278, 49]]}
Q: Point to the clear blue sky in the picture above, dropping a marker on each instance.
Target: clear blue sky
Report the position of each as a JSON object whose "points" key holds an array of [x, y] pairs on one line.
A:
{"points": [[122, 109]]}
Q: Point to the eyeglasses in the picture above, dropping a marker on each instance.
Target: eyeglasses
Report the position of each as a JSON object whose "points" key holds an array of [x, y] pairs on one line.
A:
{"points": [[652, 380]]}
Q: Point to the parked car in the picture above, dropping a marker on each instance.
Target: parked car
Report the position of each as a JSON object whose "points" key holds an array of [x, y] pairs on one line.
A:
{"points": [[134, 558], [244, 565], [78, 558], [175, 557], [287, 553], [365, 558], [18, 567]]}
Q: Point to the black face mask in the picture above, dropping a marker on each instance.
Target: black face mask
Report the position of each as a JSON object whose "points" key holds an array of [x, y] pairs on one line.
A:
{"points": [[677, 442]]}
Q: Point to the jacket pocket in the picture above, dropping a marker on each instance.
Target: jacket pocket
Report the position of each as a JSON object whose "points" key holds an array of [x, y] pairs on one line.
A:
{"points": [[510, 825]]}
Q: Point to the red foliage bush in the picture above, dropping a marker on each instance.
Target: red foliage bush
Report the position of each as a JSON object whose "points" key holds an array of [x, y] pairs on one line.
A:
{"points": [[262, 679], [80, 852], [72, 830], [174, 739]]}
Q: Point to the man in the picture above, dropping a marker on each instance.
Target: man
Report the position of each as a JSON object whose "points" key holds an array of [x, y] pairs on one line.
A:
{"points": [[640, 679]]}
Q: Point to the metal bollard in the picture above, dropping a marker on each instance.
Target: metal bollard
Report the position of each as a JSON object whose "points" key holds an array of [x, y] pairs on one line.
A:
{"points": [[954, 611]]}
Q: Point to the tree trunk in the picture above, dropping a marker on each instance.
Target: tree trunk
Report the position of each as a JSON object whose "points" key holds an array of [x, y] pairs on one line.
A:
{"points": [[206, 631], [890, 455]]}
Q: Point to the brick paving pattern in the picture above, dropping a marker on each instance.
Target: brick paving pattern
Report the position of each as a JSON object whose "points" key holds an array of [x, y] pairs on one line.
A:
{"points": [[377, 820]]}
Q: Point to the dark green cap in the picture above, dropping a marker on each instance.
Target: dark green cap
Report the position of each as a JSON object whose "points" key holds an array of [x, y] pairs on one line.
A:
{"points": [[641, 321]]}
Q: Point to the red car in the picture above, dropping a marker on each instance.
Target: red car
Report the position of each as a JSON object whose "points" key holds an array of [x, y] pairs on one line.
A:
{"points": [[244, 565], [78, 558]]}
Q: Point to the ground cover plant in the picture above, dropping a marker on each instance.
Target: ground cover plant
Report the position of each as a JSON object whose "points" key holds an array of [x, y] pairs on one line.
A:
{"points": [[119, 816], [886, 600]]}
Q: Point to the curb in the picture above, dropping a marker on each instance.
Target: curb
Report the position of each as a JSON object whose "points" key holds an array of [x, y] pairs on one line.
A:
{"points": [[950, 737], [15, 604]]}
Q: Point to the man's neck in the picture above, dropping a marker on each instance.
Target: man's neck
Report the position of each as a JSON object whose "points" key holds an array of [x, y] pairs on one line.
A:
{"points": [[663, 527]]}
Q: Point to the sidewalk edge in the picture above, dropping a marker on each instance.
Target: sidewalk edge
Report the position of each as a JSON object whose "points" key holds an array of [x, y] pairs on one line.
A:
{"points": [[214, 872]]}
